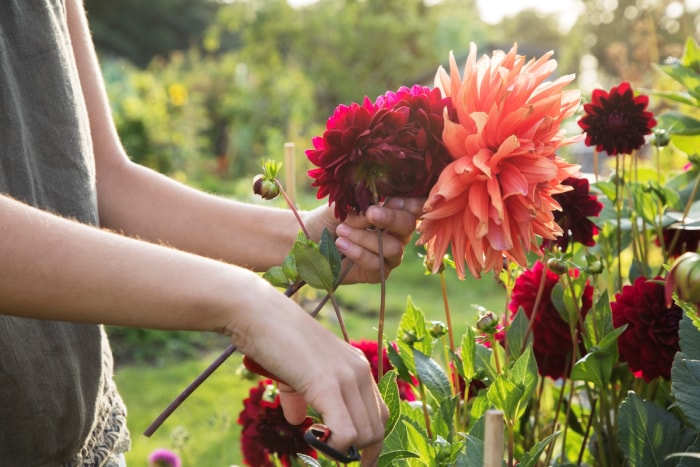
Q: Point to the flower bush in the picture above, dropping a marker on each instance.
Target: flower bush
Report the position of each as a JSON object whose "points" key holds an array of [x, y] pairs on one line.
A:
{"points": [[596, 360]]}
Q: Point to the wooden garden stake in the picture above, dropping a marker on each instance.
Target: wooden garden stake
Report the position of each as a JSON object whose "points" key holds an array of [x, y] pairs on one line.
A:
{"points": [[493, 439]]}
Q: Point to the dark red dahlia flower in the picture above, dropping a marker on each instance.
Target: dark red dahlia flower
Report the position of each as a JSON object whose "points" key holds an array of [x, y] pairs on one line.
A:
{"points": [[265, 432], [679, 240], [651, 339], [552, 341], [577, 206], [369, 348], [616, 122], [369, 152]]}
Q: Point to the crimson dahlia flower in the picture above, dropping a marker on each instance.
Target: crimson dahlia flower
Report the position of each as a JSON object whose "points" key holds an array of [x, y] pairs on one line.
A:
{"points": [[265, 432], [651, 340], [617, 121], [373, 151], [369, 348], [577, 206], [551, 335], [496, 195]]}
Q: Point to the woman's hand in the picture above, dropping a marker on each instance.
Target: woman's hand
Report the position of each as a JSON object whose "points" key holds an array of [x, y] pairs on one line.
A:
{"points": [[357, 237]]}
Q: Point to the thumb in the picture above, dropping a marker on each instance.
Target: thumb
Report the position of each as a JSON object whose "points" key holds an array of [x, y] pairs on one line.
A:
{"points": [[293, 404]]}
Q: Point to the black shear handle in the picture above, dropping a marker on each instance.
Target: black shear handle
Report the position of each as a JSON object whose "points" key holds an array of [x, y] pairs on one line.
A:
{"points": [[317, 435]]}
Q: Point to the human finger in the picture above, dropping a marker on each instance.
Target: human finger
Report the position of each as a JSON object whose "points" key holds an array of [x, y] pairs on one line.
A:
{"points": [[293, 404]]}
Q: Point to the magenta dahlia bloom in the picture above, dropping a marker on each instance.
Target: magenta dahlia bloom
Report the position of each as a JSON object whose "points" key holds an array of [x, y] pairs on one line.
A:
{"points": [[369, 348], [651, 340], [552, 341], [617, 121], [577, 206], [162, 457], [265, 432], [372, 151]]}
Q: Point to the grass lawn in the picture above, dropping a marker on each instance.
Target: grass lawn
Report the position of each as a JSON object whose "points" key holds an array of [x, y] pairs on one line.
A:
{"points": [[205, 424], [207, 420]]}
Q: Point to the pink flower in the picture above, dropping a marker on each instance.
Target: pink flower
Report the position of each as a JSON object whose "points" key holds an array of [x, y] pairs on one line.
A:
{"points": [[369, 348], [496, 195], [162, 457]]}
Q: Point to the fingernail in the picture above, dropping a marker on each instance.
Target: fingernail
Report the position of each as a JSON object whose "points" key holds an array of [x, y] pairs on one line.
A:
{"points": [[343, 230], [342, 244], [396, 203]]}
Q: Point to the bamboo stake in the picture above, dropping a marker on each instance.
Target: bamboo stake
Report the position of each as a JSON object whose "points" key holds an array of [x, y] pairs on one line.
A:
{"points": [[289, 171], [493, 439]]}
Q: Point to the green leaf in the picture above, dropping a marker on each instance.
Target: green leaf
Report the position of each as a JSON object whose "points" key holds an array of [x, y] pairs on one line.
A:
{"points": [[679, 124], [647, 432], [432, 376], [468, 354], [595, 367], [418, 443], [388, 459], [685, 377], [484, 361], [390, 394], [515, 337], [276, 276], [531, 457], [327, 247], [444, 418], [474, 451], [313, 267], [505, 396], [399, 361], [689, 338], [413, 323], [289, 266], [644, 202], [524, 375]]}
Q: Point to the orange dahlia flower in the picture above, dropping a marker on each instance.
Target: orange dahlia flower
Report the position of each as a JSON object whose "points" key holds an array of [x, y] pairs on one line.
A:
{"points": [[495, 197]]}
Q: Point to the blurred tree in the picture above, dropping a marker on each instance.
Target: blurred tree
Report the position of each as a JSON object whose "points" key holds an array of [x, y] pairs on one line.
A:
{"points": [[138, 30], [629, 36]]}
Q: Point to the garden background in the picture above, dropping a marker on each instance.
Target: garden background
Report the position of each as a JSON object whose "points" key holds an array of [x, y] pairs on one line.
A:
{"points": [[204, 90]]}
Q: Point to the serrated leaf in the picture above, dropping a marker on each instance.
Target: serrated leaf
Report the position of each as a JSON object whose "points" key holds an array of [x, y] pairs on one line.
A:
{"points": [[524, 375], [388, 459], [647, 432], [389, 391], [418, 443], [685, 381], [505, 396], [431, 374], [531, 457], [468, 354], [313, 267], [689, 338], [474, 449], [515, 337], [289, 267]]}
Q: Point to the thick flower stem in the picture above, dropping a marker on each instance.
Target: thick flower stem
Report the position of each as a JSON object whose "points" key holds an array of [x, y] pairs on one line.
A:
{"points": [[618, 216], [536, 306]]}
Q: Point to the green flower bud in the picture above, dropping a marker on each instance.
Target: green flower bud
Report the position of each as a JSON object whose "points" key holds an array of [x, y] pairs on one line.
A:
{"points": [[429, 264], [593, 265], [264, 187], [684, 278], [409, 337], [487, 323], [660, 137], [556, 265], [438, 329]]}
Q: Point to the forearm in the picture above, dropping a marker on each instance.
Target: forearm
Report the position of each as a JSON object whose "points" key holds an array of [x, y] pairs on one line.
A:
{"points": [[58, 269], [147, 205]]}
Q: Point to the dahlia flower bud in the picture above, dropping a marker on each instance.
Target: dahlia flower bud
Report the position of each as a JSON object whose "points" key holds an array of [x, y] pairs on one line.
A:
{"points": [[487, 323], [265, 188], [593, 265], [684, 278], [437, 329], [557, 266], [409, 337], [660, 137]]}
